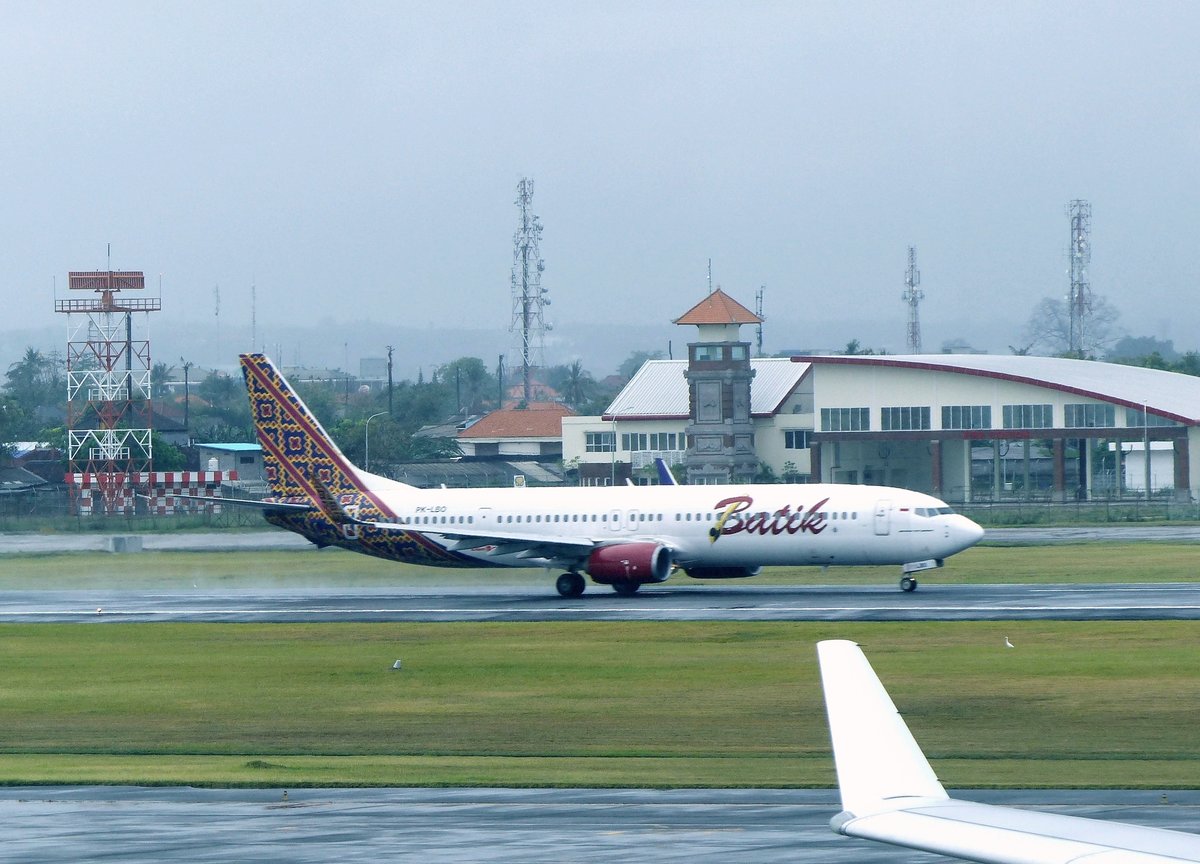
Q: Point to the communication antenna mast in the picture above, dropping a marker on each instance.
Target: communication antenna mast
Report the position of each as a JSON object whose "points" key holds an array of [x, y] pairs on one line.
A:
{"points": [[913, 296], [528, 296], [253, 315], [758, 310], [1079, 301]]}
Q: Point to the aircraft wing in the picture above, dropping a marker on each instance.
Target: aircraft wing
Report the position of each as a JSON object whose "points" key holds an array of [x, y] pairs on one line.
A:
{"points": [[463, 540], [890, 793]]}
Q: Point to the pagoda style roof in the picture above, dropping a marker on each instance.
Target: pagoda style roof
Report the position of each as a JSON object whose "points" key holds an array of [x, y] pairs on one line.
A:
{"points": [[718, 308]]}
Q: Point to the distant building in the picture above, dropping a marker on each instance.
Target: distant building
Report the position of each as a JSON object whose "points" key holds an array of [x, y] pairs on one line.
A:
{"points": [[245, 459], [720, 430], [534, 432]]}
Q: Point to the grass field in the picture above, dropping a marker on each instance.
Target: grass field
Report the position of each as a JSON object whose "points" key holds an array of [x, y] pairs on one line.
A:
{"points": [[582, 704]]}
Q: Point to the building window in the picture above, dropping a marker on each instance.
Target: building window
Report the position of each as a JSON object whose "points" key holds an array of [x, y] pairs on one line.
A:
{"points": [[1028, 416], [738, 352], [245, 460], [966, 416], [1090, 416], [666, 441], [599, 442], [796, 439], [705, 353], [1135, 418], [633, 441], [904, 417], [845, 419]]}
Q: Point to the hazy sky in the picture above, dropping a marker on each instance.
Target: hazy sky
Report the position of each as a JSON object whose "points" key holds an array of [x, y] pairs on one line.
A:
{"points": [[358, 161]]}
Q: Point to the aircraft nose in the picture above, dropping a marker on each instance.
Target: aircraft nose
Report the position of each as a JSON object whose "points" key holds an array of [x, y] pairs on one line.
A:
{"points": [[965, 532]]}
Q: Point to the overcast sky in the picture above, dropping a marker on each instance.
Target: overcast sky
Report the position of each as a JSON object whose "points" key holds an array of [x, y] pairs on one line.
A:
{"points": [[358, 161]]}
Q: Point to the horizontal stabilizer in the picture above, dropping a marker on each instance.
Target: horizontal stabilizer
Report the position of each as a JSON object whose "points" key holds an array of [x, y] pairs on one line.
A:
{"points": [[266, 505]]}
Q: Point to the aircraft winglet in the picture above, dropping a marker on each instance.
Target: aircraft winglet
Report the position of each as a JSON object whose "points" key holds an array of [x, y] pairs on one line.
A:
{"points": [[890, 794], [879, 764]]}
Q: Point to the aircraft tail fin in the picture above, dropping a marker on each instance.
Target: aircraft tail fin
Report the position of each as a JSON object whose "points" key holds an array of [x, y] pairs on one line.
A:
{"points": [[879, 764], [299, 457], [665, 477]]}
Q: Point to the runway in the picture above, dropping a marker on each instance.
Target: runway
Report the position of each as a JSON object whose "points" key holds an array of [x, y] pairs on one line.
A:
{"points": [[478, 825], [1179, 601]]}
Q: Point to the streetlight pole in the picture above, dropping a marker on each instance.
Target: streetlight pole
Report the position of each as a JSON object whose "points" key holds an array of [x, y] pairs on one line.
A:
{"points": [[1146, 445], [367, 440], [612, 480]]}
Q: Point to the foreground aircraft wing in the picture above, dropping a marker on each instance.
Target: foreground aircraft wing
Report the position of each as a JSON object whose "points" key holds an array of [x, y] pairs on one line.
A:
{"points": [[890, 793]]}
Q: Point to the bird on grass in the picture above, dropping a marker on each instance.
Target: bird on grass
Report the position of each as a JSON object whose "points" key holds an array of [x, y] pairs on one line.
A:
{"points": [[1008, 644]]}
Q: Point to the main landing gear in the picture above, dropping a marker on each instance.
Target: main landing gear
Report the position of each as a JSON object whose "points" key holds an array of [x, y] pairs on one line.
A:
{"points": [[570, 584], [908, 583]]}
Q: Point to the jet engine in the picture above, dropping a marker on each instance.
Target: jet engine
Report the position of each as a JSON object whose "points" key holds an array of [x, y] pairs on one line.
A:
{"points": [[634, 563], [721, 572]]}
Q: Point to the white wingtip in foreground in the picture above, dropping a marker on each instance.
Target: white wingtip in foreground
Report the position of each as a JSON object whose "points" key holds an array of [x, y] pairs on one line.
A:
{"points": [[890, 793]]}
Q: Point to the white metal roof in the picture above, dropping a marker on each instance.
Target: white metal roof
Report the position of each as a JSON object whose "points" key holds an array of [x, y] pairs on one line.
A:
{"points": [[1168, 393], [659, 389]]}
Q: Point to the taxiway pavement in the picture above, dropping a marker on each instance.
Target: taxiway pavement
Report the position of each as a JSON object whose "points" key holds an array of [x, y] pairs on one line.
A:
{"points": [[485, 825], [1109, 602]]}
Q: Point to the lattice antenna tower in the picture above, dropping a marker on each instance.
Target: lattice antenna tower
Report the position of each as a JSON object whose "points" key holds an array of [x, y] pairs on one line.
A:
{"points": [[758, 310], [108, 385], [529, 298], [913, 295], [1079, 300]]}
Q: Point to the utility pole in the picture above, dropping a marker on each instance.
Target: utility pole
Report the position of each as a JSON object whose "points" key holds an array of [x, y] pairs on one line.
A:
{"points": [[390, 413]]}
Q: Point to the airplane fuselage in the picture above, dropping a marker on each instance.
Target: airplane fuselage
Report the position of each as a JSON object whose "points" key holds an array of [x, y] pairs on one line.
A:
{"points": [[703, 526]]}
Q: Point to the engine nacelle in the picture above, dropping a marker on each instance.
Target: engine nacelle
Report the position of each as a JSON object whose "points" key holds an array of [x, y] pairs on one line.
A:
{"points": [[722, 572], [630, 562]]}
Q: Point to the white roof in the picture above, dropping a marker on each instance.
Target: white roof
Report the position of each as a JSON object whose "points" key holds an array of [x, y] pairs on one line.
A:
{"points": [[1171, 394], [660, 390]]}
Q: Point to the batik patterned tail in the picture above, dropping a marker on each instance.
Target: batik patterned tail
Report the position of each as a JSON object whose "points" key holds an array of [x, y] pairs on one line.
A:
{"points": [[295, 446]]}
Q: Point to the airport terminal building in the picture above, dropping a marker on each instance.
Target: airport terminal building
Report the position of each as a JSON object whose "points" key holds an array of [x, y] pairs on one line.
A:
{"points": [[961, 427]]}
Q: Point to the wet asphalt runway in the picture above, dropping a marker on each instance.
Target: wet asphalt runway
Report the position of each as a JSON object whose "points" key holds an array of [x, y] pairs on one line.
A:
{"points": [[683, 602], [472, 825]]}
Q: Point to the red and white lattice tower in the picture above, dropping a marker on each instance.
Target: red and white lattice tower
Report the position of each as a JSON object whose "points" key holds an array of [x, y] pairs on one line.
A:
{"points": [[108, 389]]}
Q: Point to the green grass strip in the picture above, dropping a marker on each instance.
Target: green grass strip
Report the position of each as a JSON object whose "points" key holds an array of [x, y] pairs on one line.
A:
{"points": [[584, 703]]}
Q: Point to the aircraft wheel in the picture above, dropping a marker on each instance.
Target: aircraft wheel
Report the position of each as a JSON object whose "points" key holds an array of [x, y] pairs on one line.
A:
{"points": [[907, 583], [626, 588], [570, 585]]}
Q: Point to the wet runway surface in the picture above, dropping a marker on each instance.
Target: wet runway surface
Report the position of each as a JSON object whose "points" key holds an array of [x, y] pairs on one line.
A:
{"points": [[473, 825], [659, 603]]}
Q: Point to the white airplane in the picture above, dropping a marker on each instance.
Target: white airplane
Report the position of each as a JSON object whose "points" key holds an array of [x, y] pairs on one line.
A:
{"points": [[890, 793], [620, 536]]}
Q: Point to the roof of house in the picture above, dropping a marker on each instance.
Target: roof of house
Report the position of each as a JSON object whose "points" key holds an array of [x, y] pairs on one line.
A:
{"points": [[539, 420], [235, 447], [1170, 394], [718, 308], [659, 389]]}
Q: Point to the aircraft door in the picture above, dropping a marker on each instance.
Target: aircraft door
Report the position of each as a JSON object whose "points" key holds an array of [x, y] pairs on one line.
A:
{"points": [[614, 520], [631, 520], [883, 517]]}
